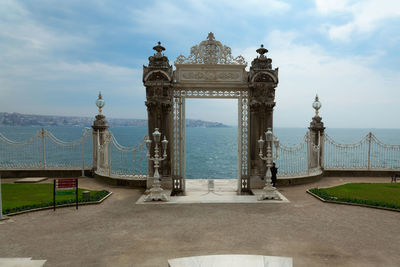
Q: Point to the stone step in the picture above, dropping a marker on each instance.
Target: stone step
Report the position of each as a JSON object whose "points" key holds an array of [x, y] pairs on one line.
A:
{"points": [[21, 262], [232, 261]]}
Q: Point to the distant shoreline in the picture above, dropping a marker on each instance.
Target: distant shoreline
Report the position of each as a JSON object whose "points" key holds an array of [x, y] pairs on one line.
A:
{"points": [[32, 120]]}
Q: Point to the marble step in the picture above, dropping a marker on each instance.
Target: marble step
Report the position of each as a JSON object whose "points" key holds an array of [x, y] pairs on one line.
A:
{"points": [[232, 261], [21, 262]]}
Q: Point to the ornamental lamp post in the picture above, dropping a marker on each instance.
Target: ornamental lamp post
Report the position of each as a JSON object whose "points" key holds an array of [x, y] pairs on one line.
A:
{"points": [[316, 105], [269, 192], [156, 193], [100, 103]]}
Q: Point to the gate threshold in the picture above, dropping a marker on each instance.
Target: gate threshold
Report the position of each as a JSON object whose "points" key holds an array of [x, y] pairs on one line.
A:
{"points": [[214, 191]]}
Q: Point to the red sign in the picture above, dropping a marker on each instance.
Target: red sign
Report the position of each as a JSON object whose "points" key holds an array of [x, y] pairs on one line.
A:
{"points": [[65, 183]]}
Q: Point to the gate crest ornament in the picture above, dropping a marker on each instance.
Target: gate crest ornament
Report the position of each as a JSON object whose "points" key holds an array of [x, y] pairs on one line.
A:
{"points": [[210, 51]]}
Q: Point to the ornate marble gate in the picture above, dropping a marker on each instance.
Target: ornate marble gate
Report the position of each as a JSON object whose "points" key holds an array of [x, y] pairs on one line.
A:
{"points": [[210, 71]]}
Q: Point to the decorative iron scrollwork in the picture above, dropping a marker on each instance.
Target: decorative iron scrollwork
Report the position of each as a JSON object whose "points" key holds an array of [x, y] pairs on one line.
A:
{"points": [[210, 51]]}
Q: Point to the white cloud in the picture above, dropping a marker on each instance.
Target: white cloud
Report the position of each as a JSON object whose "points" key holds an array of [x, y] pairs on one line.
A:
{"points": [[163, 17], [353, 94], [34, 78], [366, 16], [328, 6]]}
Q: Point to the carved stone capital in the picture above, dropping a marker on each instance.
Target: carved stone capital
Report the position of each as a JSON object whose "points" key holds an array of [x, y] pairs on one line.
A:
{"points": [[317, 124], [158, 105], [257, 106], [100, 123]]}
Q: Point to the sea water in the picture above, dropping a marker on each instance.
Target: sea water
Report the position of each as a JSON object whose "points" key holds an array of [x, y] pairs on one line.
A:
{"points": [[210, 152]]}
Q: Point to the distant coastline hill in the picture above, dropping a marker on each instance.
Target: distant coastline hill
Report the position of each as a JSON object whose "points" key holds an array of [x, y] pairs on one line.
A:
{"points": [[17, 119]]}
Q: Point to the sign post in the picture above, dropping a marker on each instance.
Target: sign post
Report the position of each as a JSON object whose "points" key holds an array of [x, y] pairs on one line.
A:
{"points": [[61, 187], [1, 203]]}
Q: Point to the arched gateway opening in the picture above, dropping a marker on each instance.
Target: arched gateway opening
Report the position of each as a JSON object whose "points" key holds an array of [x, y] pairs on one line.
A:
{"points": [[210, 71]]}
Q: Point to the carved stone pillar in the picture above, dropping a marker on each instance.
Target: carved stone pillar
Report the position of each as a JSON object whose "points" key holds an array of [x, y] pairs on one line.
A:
{"points": [[317, 131], [157, 78], [262, 83], [100, 131]]}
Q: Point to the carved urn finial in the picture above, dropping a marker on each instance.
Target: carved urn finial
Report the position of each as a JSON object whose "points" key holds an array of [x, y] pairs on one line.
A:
{"points": [[316, 105], [262, 50], [210, 36], [159, 48]]}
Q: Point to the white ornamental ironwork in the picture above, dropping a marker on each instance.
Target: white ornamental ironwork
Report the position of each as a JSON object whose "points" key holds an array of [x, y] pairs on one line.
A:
{"points": [[178, 142], [118, 161], [210, 51], [45, 151], [368, 153]]}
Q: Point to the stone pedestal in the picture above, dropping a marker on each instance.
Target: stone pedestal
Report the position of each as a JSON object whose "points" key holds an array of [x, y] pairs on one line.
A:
{"points": [[317, 131], [100, 132]]}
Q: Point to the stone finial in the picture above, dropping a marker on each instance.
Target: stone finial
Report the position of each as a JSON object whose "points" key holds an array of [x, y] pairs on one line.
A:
{"points": [[262, 50], [261, 62], [159, 48], [210, 36]]}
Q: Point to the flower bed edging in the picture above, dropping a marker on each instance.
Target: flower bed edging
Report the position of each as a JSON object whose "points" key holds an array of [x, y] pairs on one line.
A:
{"points": [[61, 206], [350, 203]]}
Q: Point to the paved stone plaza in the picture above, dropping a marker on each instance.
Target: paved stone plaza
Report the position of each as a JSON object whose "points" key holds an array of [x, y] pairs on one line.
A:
{"points": [[119, 232]]}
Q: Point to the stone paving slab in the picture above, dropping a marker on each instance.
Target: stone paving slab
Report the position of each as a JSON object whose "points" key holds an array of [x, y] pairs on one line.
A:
{"points": [[30, 180], [232, 261], [223, 191]]}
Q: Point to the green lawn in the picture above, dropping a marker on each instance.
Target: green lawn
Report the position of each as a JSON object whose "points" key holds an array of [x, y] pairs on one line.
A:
{"points": [[374, 194], [18, 197]]}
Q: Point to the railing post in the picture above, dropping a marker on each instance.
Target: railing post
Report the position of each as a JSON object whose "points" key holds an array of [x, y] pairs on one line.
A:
{"points": [[109, 158], [43, 148], [322, 151], [83, 155], [98, 149], [369, 149], [308, 138], [319, 150], [1, 205]]}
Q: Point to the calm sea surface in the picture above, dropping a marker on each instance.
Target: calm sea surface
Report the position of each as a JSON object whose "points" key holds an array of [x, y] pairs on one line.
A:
{"points": [[210, 152]]}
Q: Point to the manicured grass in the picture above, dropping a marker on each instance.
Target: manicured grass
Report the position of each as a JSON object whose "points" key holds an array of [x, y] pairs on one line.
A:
{"points": [[373, 194], [19, 197]]}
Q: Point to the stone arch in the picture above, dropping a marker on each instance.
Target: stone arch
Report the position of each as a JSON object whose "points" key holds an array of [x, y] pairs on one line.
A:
{"points": [[264, 77], [157, 75]]}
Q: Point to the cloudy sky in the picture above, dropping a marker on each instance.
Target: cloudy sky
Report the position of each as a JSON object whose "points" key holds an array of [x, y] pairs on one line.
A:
{"points": [[56, 55]]}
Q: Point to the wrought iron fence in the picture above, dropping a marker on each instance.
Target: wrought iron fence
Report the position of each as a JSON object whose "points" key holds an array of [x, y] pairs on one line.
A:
{"points": [[45, 151], [122, 161], [295, 160], [368, 153]]}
